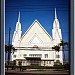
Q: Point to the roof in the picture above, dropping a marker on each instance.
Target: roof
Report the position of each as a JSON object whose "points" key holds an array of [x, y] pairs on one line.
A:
{"points": [[33, 58], [32, 26]]}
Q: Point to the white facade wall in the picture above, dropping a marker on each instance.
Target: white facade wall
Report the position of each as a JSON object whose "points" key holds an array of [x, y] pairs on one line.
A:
{"points": [[19, 54]]}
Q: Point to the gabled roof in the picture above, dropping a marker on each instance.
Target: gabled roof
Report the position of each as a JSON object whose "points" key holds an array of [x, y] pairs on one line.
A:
{"points": [[32, 26]]}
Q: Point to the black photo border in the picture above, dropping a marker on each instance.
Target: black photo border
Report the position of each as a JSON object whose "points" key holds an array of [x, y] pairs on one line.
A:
{"points": [[71, 37], [2, 48]]}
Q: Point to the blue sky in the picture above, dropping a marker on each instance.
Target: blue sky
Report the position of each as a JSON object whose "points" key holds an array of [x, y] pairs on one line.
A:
{"points": [[42, 10]]}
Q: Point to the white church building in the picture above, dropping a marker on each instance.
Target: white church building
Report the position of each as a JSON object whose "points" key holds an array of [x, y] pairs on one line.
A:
{"points": [[35, 46]]}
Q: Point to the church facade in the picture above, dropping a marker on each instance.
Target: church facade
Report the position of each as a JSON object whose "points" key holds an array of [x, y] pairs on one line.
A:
{"points": [[35, 46]]}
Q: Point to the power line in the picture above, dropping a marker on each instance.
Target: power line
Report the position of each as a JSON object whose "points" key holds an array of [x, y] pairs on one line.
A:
{"points": [[35, 8], [36, 5], [38, 33]]}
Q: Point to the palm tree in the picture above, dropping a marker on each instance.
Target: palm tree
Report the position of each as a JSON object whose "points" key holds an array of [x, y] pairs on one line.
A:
{"points": [[57, 47], [9, 49], [63, 44]]}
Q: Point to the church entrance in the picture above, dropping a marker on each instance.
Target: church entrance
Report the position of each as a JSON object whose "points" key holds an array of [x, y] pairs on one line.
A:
{"points": [[33, 61]]}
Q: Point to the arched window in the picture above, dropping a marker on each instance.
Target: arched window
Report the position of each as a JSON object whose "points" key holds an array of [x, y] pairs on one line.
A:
{"points": [[35, 46]]}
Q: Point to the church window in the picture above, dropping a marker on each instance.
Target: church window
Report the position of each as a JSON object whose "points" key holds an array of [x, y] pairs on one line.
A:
{"points": [[24, 55], [35, 46], [14, 56], [49, 62], [46, 62], [46, 55], [57, 56], [35, 55]]}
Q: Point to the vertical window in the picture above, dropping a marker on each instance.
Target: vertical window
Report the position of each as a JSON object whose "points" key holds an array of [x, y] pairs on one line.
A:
{"points": [[35, 55], [57, 56], [46, 62], [46, 55], [14, 56], [24, 55], [49, 62]]}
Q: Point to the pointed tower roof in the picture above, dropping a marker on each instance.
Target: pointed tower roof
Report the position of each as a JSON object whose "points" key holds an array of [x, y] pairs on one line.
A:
{"points": [[18, 24], [55, 14], [19, 17], [56, 21]]}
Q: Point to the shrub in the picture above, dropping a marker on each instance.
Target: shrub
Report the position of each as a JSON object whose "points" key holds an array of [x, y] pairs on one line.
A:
{"points": [[67, 66], [37, 67], [58, 66]]}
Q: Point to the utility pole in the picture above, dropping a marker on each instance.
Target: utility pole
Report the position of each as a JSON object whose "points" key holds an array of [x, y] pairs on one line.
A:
{"points": [[9, 36], [9, 47]]}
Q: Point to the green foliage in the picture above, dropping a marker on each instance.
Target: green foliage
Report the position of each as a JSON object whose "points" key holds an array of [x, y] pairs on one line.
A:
{"points": [[9, 48], [59, 66], [67, 66], [57, 48], [63, 44], [37, 67]]}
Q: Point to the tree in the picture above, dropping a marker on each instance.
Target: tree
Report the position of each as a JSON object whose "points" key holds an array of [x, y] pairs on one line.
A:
{"points": [[9, 49], [57, 47], [63, 44]]}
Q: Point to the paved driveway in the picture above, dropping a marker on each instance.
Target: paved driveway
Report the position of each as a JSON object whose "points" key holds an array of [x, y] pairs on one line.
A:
{"points": [[12, 72]]}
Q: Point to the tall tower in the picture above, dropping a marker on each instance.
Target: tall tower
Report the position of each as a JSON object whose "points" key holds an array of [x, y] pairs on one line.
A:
{"points": [[17, 33], [57, 37], [56, 31]]}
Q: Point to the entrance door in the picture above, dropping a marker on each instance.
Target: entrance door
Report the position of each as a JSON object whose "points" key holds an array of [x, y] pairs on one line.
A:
{"points": [[35, 62]]}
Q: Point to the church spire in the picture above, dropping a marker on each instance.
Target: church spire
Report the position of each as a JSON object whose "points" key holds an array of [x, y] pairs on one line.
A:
{"points": [[19, 17], [55, 14], [18, 24], [56, 21]]}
